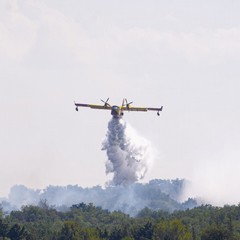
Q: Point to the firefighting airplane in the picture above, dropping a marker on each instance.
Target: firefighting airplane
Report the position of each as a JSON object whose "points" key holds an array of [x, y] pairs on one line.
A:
{"points": [[117, 111]]}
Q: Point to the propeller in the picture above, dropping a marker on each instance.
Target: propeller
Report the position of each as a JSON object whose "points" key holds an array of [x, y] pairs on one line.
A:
{"points": [[128, 103], [106, 104]]}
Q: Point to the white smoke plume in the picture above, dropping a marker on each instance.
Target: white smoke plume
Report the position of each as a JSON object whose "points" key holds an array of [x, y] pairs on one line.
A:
{"points": [[156, 194], [129, 155]]}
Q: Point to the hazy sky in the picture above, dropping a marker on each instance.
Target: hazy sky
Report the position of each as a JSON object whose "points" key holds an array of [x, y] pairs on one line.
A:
{"points": [[183, 55]]}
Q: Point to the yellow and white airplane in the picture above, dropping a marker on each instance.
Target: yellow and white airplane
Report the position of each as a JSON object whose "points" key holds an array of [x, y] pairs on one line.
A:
{"points": [[118, 111]]}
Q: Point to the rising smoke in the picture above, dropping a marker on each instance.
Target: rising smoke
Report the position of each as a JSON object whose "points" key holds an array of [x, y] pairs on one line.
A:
{"points": [[156, 194], [129, 155]]}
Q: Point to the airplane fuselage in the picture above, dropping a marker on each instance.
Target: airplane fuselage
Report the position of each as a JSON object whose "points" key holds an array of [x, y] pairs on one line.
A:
{"points": [[116, 112]]}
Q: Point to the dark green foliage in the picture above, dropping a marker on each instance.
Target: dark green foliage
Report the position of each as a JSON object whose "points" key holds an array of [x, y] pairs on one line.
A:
{"points": [[216, 233], [17, 232], [116, 234], [172, 230], [144, 232], [1, 213], [87, 222], [70, 231], [3, 229]]}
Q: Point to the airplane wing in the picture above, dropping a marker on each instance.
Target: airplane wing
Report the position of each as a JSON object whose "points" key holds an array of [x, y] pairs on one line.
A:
{"points": [[106, 107], [142, 109], [155, 109]]}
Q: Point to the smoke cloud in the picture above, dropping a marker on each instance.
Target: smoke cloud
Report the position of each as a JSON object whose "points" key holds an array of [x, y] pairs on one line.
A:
{"points": [[156, 194], [129, 155], [215, 179]]}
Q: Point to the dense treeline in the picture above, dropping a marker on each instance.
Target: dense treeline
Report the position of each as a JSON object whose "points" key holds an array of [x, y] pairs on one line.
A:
{"points": [[87, 222]]}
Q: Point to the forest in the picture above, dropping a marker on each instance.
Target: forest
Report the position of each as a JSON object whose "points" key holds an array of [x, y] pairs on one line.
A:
{"points": [[88, 222], [147, 211]]}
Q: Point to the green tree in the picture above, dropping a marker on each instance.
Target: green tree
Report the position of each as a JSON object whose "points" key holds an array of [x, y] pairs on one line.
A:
{"points": [[3, 229], [71, 231], [171, 230], [116, 234], [1, 212], [216, 233], [145, 232], [17, 232]]}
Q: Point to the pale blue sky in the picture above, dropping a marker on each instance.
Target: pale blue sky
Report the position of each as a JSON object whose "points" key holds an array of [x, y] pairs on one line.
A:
{"points": [[183, 55]]}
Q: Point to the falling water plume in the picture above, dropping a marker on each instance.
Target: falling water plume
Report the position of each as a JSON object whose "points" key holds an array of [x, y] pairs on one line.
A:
{"points": [[129, 155]]}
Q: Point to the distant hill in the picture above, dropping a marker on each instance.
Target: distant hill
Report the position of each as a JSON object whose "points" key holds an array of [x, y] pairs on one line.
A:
{"points": [[156, 195]]}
